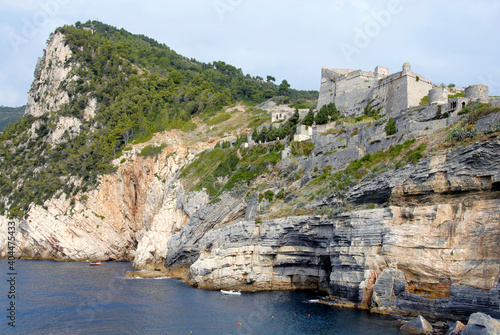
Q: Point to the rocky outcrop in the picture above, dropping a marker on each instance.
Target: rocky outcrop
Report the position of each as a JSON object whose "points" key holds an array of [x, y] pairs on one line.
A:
{"points": [[434, 251], [456, 328], [418, 326], [129, 216], [481, 324], [464, 171], [184, 248], [51, 71]]}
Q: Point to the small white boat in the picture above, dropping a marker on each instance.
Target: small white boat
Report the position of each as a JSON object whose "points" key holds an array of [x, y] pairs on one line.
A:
{"points": [[233, 292], [95, 263]]}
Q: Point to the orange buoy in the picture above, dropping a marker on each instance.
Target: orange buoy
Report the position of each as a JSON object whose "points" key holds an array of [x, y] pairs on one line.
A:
{"points": [[239, 323], [308, 315]]}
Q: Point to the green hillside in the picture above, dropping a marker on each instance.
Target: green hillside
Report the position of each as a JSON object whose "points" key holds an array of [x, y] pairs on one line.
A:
{"points": [[141, 87], [10, 115]]}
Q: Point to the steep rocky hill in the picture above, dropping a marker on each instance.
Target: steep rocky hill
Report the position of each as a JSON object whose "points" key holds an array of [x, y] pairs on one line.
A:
{"points": [[394, 215]]}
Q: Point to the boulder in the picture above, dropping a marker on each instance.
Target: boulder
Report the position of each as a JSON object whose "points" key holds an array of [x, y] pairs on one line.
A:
{"points": [[481, 324], [418, 326], [456, 329]]}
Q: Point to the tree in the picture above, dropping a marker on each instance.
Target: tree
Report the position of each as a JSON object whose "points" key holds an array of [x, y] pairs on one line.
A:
{"points": [[333, 112], [309, 119], [255, 134], [271, 78], [323, 116], [295, 117], [283, 88], [390, 127]]}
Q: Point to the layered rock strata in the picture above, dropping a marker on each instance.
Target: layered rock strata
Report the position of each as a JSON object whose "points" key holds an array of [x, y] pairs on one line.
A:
{"points": [[435, 250]]}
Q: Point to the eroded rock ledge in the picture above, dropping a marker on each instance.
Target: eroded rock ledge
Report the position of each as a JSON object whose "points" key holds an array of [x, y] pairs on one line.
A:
{"points": [[438, 258]]}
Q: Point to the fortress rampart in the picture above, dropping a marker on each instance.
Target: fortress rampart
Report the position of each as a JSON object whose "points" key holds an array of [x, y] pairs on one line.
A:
{"points": [[353, 90]]}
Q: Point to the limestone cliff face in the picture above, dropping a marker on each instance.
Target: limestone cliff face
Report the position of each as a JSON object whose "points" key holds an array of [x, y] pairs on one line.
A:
{"points": [[54, 75], [435, 250], [51, 70], [130, 215]]}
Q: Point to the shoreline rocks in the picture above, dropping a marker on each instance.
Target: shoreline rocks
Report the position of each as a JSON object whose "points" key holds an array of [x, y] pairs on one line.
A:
{"points": [[417, 326]]}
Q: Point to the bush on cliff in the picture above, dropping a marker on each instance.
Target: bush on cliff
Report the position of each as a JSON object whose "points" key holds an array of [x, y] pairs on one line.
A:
{"points": [[390, 127]]}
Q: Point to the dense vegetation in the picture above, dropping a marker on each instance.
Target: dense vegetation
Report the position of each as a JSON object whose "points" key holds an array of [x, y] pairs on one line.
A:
{"points": [[10, 115], [220, 170], [141, 87]]}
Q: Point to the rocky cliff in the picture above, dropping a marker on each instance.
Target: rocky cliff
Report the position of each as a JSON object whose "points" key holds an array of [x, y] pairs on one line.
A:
{"points": [[405, 224], [434, 249], [130, 215]]}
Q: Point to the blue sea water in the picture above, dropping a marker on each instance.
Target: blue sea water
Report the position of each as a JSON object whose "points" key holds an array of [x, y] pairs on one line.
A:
{"points": [[75, 298]]}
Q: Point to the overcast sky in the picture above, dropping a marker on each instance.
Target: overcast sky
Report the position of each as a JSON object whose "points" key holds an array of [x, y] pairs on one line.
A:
{"points": [[449, 41]]}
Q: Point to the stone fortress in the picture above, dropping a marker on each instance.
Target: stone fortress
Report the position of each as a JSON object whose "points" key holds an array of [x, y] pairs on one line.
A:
{"points": [[397, 95], [354, 90]]}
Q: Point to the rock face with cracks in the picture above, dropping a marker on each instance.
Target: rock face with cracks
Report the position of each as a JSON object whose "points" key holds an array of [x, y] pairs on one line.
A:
{"points": [[434, 251], [129, 216], [431, 246]]}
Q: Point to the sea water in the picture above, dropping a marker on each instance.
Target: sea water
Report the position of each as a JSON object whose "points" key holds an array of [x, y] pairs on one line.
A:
{"points": [[75, 298]]}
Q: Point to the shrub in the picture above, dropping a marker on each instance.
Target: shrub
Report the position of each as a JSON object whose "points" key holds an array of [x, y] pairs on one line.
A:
{"points": [[269, 195], [303, 148], [390, 127], [413, 156], [457, 133], [424, 101], [281, 194], [151, 150]]}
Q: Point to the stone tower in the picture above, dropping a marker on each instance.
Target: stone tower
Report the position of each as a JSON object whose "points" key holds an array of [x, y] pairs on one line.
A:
{"points": [[406, 67], [477, 93], [438, 95]]}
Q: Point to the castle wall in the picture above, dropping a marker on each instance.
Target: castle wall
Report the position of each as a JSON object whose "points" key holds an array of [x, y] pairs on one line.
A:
{"points": [[454, 105], [352, 91], [303, 133], [329, 78], [385, 91], [417, 89]]}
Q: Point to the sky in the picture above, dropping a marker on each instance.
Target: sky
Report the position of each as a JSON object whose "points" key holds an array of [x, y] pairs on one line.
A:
{"points": [[447, 41]]}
